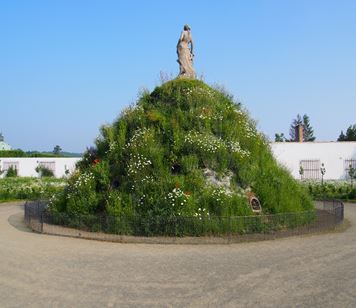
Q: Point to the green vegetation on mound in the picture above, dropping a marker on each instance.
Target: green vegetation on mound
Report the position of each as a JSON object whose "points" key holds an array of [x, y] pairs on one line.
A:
{"points": [[151, 161]]}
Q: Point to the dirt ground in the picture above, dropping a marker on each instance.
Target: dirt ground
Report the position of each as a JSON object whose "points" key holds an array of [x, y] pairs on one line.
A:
{"points": [[39, 270]]}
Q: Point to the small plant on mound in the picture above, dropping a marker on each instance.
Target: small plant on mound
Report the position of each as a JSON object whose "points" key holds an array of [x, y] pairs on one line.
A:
{"points": [[153, 160]]}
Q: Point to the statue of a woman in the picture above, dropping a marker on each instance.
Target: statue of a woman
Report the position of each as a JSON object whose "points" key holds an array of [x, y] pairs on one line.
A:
{"points": [[185, 54]]}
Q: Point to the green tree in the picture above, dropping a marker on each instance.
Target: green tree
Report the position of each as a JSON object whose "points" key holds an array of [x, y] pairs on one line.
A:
{"points": [[279, 137], [301, 172], [308, 131], [341, 137], [57, 150], [297, 121], [350, 134], [11, 172]]}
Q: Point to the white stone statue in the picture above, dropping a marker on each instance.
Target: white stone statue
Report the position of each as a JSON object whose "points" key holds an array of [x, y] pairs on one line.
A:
{"points": [[185, 54]]}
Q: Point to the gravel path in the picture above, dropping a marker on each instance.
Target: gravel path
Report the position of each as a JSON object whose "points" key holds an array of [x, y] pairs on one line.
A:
{"points": [[38, 270]]}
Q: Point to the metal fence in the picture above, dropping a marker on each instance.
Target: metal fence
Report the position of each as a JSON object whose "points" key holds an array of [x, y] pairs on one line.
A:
{"points": [[327, 215]]}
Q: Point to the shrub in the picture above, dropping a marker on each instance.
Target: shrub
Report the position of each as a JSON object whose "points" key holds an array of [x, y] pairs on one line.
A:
{"points": [[341, 190], [20, 153], [11, 172], [12, 153], [43, 171], [29, 188]]}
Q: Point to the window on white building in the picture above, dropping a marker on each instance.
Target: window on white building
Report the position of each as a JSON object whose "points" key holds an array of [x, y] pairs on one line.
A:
{"points": [[51, 165], [8, 164], [311, 169]]}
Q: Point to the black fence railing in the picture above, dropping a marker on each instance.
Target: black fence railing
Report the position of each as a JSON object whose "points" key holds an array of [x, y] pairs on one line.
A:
{"points": [[327, 215]]}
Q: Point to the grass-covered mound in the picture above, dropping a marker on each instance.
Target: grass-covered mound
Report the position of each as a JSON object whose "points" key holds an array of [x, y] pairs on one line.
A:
{"points": [[184, 150]]}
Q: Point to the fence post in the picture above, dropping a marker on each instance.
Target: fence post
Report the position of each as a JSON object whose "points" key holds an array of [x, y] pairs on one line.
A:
{"points": [[230, 230], [41, 216], [342, 211], [29, 215], [26, 215]]}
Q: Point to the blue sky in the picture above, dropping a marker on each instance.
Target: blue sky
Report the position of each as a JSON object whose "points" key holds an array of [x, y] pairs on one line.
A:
{"points": [[66, 67]]}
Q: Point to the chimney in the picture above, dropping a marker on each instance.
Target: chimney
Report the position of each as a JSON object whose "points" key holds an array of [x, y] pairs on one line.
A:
{"points": [[299, 133]]}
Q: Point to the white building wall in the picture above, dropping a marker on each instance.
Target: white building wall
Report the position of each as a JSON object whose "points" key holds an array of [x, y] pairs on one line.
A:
{"points": [[289, 154], [332, 154], [27, 166]]}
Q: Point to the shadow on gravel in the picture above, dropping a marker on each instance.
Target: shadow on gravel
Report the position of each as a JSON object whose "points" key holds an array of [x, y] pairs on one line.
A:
{"points": [[16, 220]]}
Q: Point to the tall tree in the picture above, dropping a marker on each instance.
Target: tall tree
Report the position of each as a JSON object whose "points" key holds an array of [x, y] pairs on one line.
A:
{"points": [[57, 149], [297, 121], [308, 131], [342, 136], [350, 134]]}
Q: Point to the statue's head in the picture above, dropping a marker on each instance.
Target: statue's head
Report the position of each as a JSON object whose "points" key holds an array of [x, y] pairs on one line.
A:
{"points": [[186, 28]]}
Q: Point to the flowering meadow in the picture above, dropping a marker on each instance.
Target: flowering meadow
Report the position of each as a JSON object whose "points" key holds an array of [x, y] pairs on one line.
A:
{"points": [[150, 162], [23, 188]]}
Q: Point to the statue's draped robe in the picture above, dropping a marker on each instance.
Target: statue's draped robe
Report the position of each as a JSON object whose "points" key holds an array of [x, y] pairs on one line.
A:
{"points": [[185, 58]]}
